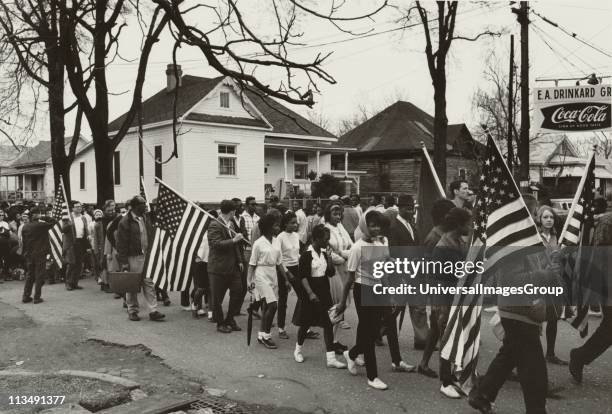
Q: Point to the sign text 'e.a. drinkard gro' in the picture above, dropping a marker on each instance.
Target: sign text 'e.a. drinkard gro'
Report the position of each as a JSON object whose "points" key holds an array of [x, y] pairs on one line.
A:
{"points": [[573, 108]]}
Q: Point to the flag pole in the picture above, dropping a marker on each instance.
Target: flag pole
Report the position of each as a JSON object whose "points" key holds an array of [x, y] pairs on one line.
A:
{"points": [[201, 209], [570, 214], [433, 171], [144, 190]]}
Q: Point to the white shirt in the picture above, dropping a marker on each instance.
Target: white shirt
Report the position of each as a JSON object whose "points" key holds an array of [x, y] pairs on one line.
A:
{"points": [[406, 224], [302, 222], [359, 256], [290, 248], [79, 226], [319, 264], [202, 255], [265, 257]]}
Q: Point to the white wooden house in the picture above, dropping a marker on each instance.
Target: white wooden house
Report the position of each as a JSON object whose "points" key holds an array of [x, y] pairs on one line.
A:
{"points": [[229, 145]]}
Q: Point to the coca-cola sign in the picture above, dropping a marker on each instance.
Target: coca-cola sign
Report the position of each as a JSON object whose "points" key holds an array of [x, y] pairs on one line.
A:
{"points": [[582, 116], [573, 108]]}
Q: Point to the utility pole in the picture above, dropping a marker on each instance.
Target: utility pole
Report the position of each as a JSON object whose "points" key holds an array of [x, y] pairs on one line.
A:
{"points": [[522, 15], [511, 105]]}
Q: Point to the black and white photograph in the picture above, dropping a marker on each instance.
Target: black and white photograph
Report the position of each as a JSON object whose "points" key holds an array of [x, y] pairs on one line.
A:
{"points": [[305, 206]]}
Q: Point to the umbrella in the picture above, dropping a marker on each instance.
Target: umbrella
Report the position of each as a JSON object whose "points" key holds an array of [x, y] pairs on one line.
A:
{"points": [[250, 320]]}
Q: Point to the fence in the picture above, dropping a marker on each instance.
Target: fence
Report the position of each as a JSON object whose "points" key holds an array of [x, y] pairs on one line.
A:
{"points": [[24, 195]]}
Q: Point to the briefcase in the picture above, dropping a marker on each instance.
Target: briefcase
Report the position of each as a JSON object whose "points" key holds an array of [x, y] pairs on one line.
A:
{"points": [[125, 282]]}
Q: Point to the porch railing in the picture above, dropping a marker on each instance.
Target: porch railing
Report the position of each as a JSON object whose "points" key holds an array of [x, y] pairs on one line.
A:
{"points": [[23, 195]]}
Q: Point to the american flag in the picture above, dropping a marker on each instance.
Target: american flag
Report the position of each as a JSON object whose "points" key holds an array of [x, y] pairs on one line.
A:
{"points": [[60, 210], [576, 232], [179, 230], [503, 225], [143, 192]]}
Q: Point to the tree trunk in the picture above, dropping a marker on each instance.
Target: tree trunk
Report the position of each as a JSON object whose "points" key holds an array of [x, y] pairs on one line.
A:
{"points": [[61, 166], [440, 122], [105, 183]]}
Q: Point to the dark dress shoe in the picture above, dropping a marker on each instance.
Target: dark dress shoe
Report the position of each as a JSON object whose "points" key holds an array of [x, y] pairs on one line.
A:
{"points": [[339, 348], [118, 296], [156, 316], [224, 329], [133, 316], [553, 359], [234, 326], [167, 302], [68, 287], [26, 300], [480, 403], [77, 287], [428, 372], [38, 300], [575, 367]]}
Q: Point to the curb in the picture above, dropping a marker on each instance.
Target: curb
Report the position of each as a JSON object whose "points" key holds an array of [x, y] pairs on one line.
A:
{"points": [[129, 384]]}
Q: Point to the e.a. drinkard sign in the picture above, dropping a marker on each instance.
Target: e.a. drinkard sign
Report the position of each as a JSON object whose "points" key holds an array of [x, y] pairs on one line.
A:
{"points": [[573, 108]]}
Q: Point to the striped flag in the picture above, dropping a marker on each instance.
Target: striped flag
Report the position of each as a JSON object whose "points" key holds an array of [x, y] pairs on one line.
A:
{"points": [[575, 234], [503, 226], [60, 210], [179, 230]]}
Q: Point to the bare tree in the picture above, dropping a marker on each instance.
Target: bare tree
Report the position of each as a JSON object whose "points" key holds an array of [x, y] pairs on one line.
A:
{"points": [[319, 118], [446, 14], [32, 39]]}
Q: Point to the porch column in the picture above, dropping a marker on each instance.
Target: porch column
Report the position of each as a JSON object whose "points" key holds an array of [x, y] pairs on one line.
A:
{"points": [[346, 164], [318, 163], [285, 162]]}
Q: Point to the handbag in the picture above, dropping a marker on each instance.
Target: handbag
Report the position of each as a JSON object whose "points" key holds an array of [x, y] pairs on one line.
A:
{"points": [[125, 282]]}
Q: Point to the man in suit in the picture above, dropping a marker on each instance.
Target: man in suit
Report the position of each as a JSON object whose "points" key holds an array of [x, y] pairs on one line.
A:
{"points": [[134, 238], [35, 249], [225, 265], [402, 233], [75, 245]]}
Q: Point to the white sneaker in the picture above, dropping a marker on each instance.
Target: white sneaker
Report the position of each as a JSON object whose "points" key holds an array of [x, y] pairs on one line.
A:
{"points": [[402, 367], [332, 362], [359, 361], [186, 308], [350, 364], [449, 391], [201, 312], [376, 383], [297, 355]]}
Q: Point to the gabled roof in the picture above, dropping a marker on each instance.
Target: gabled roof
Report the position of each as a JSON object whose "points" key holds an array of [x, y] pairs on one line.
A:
{"points": [[8, 154], [39, 154], [400, 127], [549, 146], [158, 108]]}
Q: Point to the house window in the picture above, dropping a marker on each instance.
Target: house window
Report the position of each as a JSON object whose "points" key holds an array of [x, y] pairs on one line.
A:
{"points": [[224, 99], [81, 176], [158, 160], [462, 173], [227, 159], [300, 166], [117, 168]]}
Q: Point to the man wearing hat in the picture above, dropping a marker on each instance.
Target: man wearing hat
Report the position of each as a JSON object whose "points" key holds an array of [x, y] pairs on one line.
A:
{"points": [[402, 233]]}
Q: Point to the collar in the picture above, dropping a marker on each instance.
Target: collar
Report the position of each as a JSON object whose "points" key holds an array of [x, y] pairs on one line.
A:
{"points": [[135, 217]]}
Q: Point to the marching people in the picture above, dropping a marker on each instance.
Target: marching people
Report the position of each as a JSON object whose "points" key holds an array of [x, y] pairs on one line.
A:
{"points": [[264, 266], [350, 217], [340, 243], [289, 243], [402, 234], [545, 218], [134, 238], [35, 248], [248, 221], [439, 211], [225, 264], [314, 296], [601, 339], [302, 224], [75, 245], [370, 317], [450, 248]]}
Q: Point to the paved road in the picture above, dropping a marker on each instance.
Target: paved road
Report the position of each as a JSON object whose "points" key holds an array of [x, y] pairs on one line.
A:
{"points": [[224, 361]]}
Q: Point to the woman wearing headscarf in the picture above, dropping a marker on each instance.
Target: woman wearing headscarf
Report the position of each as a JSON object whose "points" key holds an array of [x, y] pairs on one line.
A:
{"points": [[340, 243]]}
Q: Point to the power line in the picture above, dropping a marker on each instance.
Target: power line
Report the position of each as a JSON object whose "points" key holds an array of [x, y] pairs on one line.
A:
{"points": [[538, 32], [571, 34]]}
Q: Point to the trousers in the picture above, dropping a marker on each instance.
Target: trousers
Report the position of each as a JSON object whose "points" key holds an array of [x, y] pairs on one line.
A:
{"points": [[220, 283], [521, 348], [599, 342], [35, 277], [148, 288]]}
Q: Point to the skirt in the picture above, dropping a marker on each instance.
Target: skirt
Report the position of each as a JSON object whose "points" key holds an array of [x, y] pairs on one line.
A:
{"points": [[266, 288], [336, 284], [308, 313]]}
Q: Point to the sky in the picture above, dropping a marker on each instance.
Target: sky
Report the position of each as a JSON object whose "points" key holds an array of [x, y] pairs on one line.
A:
{"points": [[375, 71]]}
